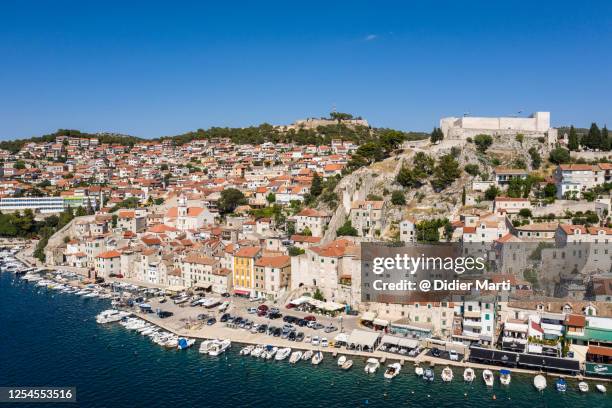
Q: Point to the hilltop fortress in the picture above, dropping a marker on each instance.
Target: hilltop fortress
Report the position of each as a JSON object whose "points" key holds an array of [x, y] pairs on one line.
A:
{"points": [[536, 125]]}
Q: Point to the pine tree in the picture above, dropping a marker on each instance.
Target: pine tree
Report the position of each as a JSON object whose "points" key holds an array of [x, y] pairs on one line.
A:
{"points": [[606, 144], [593, 138], [572, 142]]}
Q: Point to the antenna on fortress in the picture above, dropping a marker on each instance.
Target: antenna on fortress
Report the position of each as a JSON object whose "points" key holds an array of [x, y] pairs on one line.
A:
{"points": [[466, 114]]}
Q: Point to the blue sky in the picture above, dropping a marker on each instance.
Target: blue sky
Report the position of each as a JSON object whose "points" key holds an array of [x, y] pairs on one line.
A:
{"points": [[152, 68]]}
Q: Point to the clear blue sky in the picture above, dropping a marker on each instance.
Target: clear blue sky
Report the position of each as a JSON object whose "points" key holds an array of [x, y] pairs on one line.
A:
{"points": [[151, 69]]}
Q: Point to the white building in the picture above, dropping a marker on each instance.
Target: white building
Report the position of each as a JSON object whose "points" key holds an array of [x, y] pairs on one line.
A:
{"points": [[367, 217], [408, 232], [536, 125]]}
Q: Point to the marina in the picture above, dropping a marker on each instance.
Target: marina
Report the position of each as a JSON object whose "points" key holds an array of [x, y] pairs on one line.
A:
{"points": [[124, 340]]}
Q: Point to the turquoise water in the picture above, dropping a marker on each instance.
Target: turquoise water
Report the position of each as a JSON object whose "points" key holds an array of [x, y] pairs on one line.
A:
{"points": [[52, 339]]}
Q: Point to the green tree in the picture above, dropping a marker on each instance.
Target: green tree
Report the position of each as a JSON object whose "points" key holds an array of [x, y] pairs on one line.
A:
{"points": [[483, 142], [306, 232], [408, 177], [318, 295], [559, 155], [472, 169], [525, 213], [491, 193], [446, 172], [347, 229], [550, 190], [229, 200], [436, 135], [536, 159], [424, 163], [520, 138], [398, 198], [271, 198], [572, 142], [19, 165], [606, 143], [316, 188]]}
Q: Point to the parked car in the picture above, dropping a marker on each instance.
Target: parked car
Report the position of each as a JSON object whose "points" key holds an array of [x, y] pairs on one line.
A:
{"points": [[226, 295], [289, 306], [299, 336], [435, 352], [302, 322], [315, 341], [274, 315], [262, 328], [252, 310], [324, 342], [310, 318], [318, 326], [211, 321], [203, 316], [453, 355], [330, 329], [162, 314], [225, 317]]}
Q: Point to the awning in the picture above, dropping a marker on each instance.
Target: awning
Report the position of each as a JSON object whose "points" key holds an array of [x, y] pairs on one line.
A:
{"points": [[175, 288], [409, 343], [299, 301], [363, 338], [394, 341], [343, 337], [242, 292], [381, 322], [203, 285], [368, 316]]}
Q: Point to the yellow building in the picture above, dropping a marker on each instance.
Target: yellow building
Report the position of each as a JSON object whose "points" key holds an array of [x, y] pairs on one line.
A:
{"points": [[244, 270]]}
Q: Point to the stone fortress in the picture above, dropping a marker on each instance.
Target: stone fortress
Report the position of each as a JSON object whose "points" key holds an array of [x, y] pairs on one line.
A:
{"points": [[534, 126]]}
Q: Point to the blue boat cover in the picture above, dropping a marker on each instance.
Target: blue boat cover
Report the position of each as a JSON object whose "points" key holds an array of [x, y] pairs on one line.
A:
{"points": [[505, 372]]}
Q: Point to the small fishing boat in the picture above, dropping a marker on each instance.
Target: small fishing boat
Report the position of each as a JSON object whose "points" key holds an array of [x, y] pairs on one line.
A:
{"points": [[447, 374], [206, 346], [429, 375], [282, 354], [371, 366], [561, 385], [295, 357], [392, 370], [539, 381], [469, 375], [504, 377], [601, 388], [317, 358], [257, 351], [307, 355], [185, 343], [347, 364], [583, 387], [245, 351], [269, 353], [418, 370], [487, 376], [341, 360]]}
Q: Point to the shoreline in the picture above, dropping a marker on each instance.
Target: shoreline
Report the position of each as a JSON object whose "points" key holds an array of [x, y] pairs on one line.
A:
{"points": [[242, 337]]}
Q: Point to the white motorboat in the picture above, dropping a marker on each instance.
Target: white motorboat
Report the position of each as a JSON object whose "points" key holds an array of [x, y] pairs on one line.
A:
{"points": [[487, 376], [91, 294], [307, 355], [219, 347], [245, 351], [429, 374], [601, 388], [347, 364], [469, 375], [418, 370], [269, 353], [257, 351], [185, 343], [317, 358], [583, 387], [110, 316], [371, 366], [206, 346], [282, 354], [393, 370], [149, 331], [447, 374], [172, 342], [539, 381], [295, 357], [341, 360], [505, 377]]}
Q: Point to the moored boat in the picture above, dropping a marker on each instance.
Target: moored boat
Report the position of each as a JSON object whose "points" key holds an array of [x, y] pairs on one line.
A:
{"points": [[218, 347], [371, 366], [392, 370], [185, 343], [469, 375], [317, 358], [561, 385], [245, 351], [429, 375], [341, 360], [418, 370], [487, 376], [295, 357], [601, 388], [505, 377], [347, 364], [282, 354], [307, 355], [447, 374], [583, 386], [539, 381]]}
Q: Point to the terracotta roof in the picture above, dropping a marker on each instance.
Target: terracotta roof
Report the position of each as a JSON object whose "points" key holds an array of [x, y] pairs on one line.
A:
{"points": [[305, 238], [575, 320], [274, 261], [247, 252], [109, 255], [311, 212], [600, 351]]}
